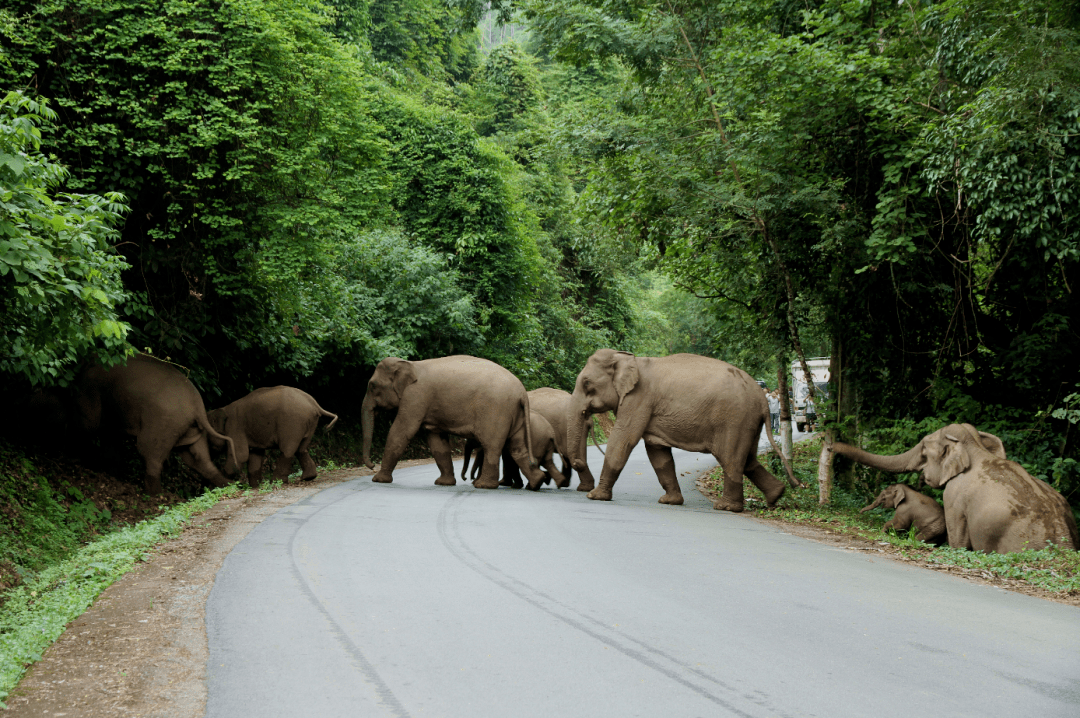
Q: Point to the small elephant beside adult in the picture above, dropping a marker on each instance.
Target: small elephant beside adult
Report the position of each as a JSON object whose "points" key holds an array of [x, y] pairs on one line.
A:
{"points": [[153, 401], [554, 405], [913, 508], [543, 448], [281, 417], [991, 504], [685, 401], [462, 395]]}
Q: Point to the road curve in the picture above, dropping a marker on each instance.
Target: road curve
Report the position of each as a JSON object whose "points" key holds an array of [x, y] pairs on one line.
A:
{"points": [[409, 599]]}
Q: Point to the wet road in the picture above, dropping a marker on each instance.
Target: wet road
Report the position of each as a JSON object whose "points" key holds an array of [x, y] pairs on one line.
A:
{"points": [[409, 599]]}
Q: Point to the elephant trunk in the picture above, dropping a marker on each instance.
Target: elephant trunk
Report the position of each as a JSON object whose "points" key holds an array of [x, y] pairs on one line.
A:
{"points": [[578, 424], [910, 460], [367, 426]]}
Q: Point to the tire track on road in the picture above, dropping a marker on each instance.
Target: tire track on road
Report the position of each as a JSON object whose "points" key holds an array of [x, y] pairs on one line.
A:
{"points": [[385, 695], [646, 655]]}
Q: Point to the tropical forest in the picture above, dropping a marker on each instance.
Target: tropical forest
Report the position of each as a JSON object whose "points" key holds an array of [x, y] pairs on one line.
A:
{"points": [[286, 192]]}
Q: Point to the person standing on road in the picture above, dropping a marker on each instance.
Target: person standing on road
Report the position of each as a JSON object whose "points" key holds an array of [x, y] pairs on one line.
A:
{"points": [[774, 411]]}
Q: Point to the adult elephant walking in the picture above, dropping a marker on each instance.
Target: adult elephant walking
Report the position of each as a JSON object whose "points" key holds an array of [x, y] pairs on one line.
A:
{"points": [[687, 401], [991, 504], [553, 405], [463, 395], [151, 400]]}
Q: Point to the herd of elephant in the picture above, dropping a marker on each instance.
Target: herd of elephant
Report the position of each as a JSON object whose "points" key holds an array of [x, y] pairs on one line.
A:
{"points": [[684, 401]]}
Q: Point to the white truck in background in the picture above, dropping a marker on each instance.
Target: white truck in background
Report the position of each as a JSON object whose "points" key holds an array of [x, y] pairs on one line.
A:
{"points": [[819, 371]]}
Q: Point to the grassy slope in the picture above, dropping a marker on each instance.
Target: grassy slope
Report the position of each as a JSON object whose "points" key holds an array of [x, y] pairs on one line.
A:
{"points": [[1052, 569]]}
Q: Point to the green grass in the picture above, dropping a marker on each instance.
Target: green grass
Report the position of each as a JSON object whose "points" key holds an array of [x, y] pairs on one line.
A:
{"points": [[1052, 569]]}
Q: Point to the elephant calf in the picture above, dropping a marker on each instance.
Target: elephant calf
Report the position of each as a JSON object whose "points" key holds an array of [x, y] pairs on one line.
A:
{"points": [[278, 416], [543, 447], [912, 508]]}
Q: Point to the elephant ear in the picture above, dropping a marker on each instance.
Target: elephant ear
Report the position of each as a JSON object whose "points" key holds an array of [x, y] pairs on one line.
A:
{"points": [[626, 373], [990, 442], [898, 496], [403, 375], [957, 459]]}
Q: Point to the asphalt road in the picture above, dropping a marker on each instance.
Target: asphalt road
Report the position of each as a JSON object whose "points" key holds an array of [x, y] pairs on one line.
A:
{"points": [[409, 599]]}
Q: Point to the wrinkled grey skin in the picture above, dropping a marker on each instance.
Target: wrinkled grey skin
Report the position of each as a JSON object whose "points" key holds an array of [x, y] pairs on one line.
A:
{"points": [[991, 504], [281, 417], [912, 509], [543, 448], [462, 395], [686, 401], [553, 405], [152, 401]]}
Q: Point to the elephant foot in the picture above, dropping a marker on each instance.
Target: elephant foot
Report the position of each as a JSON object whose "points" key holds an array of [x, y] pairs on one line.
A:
{"points": [[723, 504], [599, 495], [309, 478], [482, 484], [583, 486], [446, 481], [534, 487], [506, 482], [672, 499], [152, 485], [770, 501], [382, 477]]}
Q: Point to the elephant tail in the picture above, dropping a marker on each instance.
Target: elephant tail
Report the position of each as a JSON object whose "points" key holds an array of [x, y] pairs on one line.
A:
{"points": [[528, 428], [324, 412], [204, 424], [795, 483]]}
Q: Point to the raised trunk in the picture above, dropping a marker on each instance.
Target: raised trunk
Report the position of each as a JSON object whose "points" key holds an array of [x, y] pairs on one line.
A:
{"points": [[910, 460], [367, 426]]}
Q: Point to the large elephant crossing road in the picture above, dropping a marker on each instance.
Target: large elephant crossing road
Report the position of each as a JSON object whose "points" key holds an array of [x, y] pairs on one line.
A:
{"points": [[409, 599]]}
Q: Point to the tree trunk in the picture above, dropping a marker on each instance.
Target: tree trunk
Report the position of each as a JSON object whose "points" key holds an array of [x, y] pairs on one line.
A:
{"points": [[824, 472], [785, 408]]}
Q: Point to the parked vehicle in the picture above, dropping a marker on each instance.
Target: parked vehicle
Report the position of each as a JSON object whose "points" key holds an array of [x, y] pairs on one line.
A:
{"points": [[819, 371]]}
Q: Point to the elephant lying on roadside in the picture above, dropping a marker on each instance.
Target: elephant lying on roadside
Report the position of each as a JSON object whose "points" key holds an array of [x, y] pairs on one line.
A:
{"points": [[543, 448], [152, 401], [687, 401], [279, 416], [991, 504], [463, 395], [912, 508], [553, 405]]}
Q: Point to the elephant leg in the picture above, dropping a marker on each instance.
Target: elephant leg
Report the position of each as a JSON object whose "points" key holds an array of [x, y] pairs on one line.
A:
{"points": [[307, 464], [769, 485], [586, 481], [197, 456], [241, 449], [553, 473], [402, 431], [732, 497], [154, 446], [489, 475], [255, 467], [440, 449], [284, 464], [511, 475], [477, 466], [664, 465], [471, 445], [519, 455]]}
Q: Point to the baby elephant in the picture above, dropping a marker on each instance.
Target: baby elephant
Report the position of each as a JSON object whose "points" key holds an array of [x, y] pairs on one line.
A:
{"points": [[912, 507], [277, 416], [543, 448]]}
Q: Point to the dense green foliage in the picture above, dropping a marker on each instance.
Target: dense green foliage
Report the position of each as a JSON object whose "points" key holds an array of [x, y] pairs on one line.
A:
{"points": [[59, 281], [315, 186], [891, 183]]}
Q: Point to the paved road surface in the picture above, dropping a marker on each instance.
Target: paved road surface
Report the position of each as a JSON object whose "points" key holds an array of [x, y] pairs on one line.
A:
{"points": [[409, 599]]}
